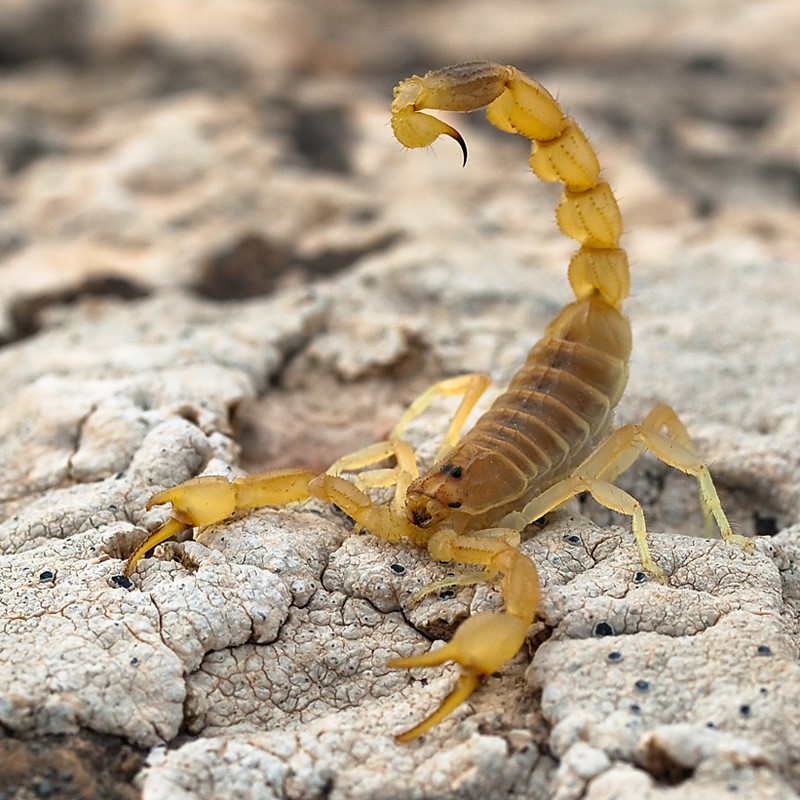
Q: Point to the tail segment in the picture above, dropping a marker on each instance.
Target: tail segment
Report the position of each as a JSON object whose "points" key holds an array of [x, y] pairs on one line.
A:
{"points": [[587, 212]]}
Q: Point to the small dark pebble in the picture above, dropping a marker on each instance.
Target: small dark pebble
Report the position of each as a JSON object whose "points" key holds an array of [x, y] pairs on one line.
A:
{"points": [[615, 655], [123, 581], [446, 594], [134, 661], [572, 538], [639, 577], [764, 650], [603, 629], [45, 576], [635, 708], [642, 685], [710, 725], [398, 569], [744, 710]]}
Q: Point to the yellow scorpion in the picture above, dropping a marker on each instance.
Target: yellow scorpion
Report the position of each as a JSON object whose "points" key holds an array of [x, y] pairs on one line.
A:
{"points": [[544, 440]]}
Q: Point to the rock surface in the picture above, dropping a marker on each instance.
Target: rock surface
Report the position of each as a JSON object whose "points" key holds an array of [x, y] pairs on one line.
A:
{"points": [[215, 259]]}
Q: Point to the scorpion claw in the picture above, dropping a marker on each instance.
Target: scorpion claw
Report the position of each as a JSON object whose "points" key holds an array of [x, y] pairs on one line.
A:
{"points": [[465, 686], [481, 645], [199, 501], [169, 529]]}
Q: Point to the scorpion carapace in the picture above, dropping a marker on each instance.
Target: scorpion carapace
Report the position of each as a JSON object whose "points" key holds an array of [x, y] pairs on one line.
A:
{"points": [[544, 440]]}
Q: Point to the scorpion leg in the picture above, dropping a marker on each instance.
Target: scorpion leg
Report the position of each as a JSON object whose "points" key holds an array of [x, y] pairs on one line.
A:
{"points": [[381, 520], [664, 435], [471, 386], [508, 535], [605, 493], [399, 476], [484, 642], [662, 416]]}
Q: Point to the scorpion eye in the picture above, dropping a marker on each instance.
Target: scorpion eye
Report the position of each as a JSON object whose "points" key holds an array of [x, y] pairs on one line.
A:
{"points": [[454, 504], [454, 472]]}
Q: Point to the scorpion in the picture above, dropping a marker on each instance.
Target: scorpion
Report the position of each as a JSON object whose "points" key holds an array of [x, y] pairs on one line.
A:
{"points": [[545, 439]]}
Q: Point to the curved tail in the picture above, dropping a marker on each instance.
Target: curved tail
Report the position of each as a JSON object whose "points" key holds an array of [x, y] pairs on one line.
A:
{"points": [[587, 212]]}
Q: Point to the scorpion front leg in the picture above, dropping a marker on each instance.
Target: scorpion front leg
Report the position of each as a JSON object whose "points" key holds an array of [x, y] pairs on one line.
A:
{"points": [[484, 642], [470, 386]]}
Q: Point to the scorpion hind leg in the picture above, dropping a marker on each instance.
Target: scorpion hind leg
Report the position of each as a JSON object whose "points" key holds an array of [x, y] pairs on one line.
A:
{"points": [[664, 435]]}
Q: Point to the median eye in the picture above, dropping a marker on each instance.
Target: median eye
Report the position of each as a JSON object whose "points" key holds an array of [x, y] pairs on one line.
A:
{"points": [[454, 504]]}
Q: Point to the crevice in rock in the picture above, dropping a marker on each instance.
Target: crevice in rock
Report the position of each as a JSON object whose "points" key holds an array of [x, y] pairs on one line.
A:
{"points": [[69, 766], [250, 267], [323, 137], [661, 765], [55, 30], [255, 266], [26, 312]]}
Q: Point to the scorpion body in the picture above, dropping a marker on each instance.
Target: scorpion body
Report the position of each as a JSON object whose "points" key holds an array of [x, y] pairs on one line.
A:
{"points": [[556, 409], [544, 440]]}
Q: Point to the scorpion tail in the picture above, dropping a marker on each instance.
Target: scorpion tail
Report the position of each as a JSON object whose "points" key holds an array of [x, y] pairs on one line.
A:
{"points": [[560, 151]]}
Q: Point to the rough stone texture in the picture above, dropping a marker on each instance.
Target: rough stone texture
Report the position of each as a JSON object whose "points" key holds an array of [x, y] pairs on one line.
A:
{"points": [[213, 257]]}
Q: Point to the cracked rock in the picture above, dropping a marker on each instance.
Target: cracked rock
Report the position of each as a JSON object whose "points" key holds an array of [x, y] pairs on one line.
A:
{"points": [[214, 257]]}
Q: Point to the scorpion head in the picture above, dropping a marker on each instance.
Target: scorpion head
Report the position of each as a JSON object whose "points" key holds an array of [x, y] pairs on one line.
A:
{"points": [[468, 491], [425, 511], [434, 497]]}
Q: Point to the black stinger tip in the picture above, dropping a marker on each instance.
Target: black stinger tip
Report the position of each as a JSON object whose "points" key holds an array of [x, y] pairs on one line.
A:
{"points": [[463, 145]]}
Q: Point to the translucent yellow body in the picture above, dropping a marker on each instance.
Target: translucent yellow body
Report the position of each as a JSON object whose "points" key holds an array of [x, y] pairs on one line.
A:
{"points": [[544, 440]]}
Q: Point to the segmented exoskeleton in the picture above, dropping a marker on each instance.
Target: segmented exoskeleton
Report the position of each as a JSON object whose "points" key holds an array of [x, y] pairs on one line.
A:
{"points": [[544, 440]]}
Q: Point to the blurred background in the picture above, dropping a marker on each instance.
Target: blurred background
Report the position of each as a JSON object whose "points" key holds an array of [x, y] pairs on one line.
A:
{"points": [[148, 143], [230, 163]]}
